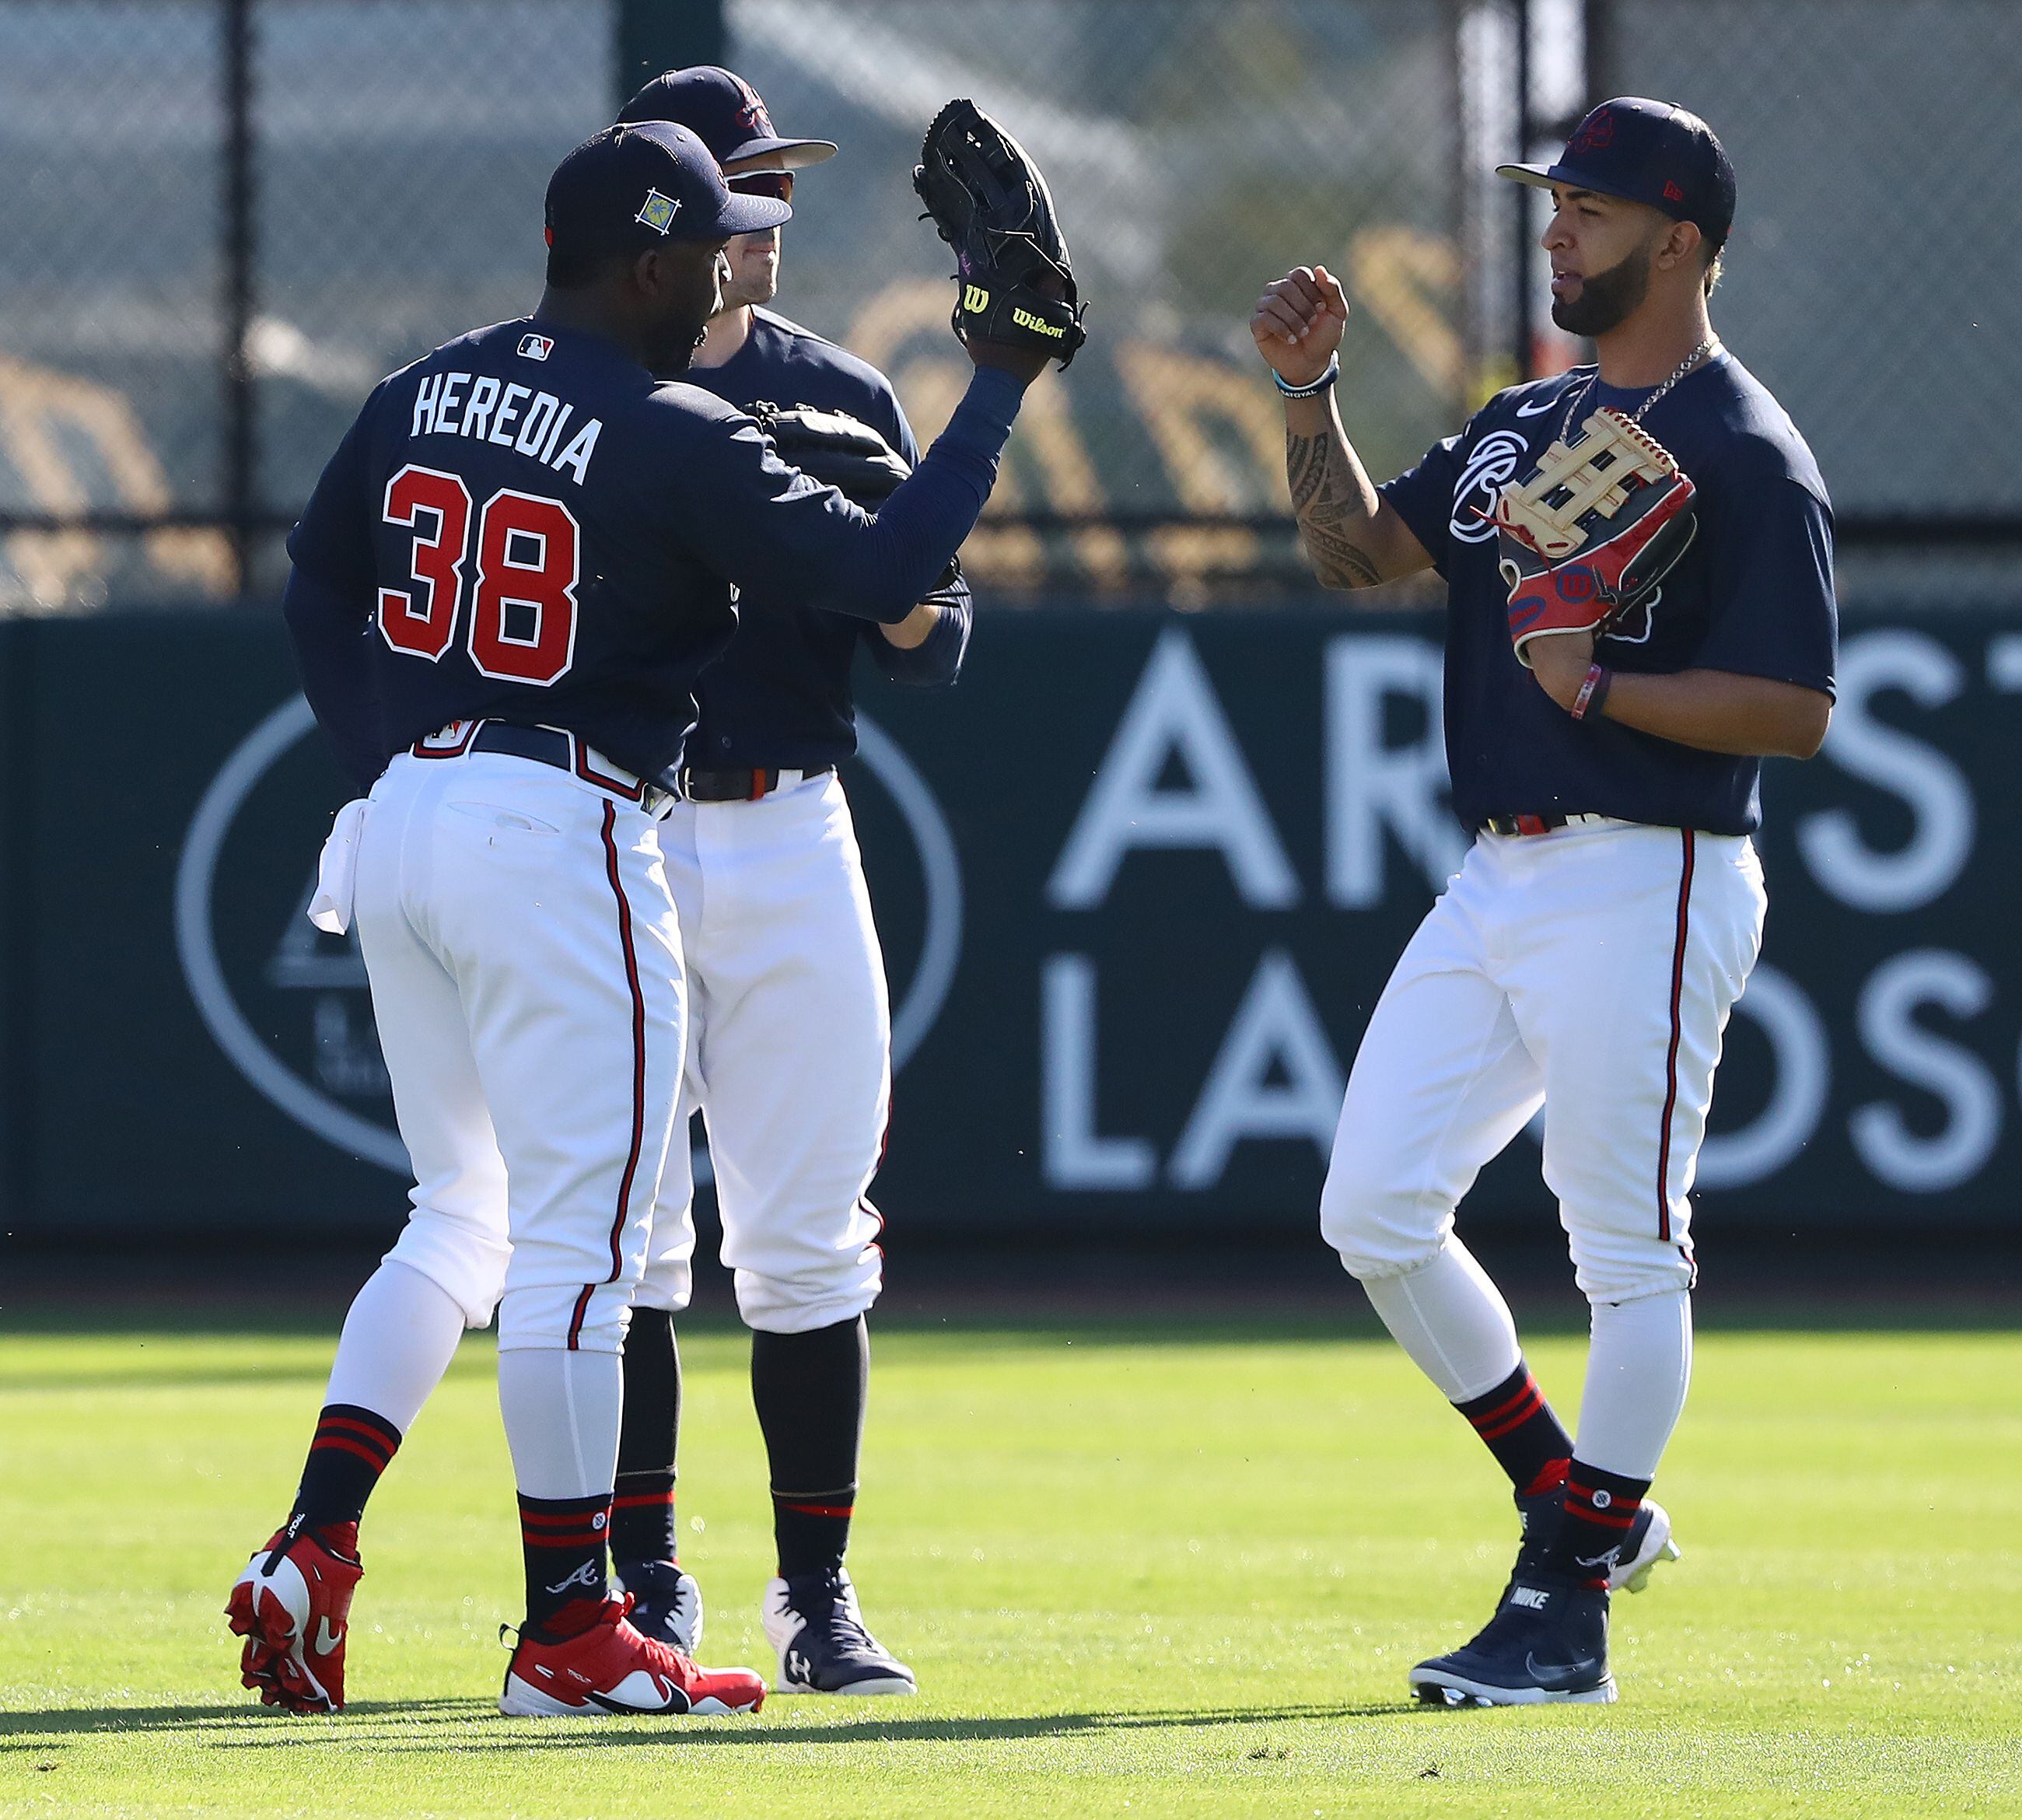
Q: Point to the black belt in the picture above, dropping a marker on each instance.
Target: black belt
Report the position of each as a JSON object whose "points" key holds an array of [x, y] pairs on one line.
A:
{"points": [[742, 786], [565, 752]]}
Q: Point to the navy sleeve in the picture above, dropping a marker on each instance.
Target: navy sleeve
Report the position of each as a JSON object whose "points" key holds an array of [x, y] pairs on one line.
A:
{"points": [[937, 658], [1770, 580], [1423, 497], [328, 603], [769, 528]]}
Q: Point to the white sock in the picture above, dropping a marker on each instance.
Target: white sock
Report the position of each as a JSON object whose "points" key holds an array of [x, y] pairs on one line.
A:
{"points": [[1451, 1320], [561, 1412], [1637, 1368], [398, 1339]]}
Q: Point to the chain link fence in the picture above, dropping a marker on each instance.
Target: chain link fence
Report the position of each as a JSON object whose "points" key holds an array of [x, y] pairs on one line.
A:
{"points": [[1872, 283], [233, 216], [110, 341], [1195, 151]]}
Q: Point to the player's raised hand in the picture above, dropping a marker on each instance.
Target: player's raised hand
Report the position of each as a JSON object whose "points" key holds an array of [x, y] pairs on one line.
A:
{"points": [[1297, 324]]}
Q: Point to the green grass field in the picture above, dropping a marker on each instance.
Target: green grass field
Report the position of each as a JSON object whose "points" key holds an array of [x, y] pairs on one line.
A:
{"points": [[1140, 1573]]}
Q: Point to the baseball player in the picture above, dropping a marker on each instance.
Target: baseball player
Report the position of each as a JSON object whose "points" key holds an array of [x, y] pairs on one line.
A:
{"points": [[504, 587], [1637, 556], [788, 1028]]}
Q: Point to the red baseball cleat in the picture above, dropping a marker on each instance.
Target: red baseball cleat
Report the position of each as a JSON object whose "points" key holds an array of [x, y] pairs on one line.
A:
{"points": [[611, 1667], [292, 1606]]}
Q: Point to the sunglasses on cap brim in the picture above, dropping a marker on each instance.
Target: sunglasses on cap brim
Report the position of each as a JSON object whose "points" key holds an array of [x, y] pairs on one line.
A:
{"points": [[778, 184]]}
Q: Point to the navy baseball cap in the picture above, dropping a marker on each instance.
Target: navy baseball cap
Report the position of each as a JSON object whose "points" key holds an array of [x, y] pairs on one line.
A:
{"points": [[723, 112], [1646, 152], [632, 187]]}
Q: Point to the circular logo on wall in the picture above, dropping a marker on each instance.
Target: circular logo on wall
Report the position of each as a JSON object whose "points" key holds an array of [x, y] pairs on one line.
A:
{"points": [[290, 1006]]}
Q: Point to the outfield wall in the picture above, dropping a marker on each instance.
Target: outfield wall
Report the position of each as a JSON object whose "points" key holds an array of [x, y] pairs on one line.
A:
{"points": [[1140, 875]]}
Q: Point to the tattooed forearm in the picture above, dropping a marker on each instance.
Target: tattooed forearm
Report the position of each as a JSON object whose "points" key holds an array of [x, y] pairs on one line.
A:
{"points": [[1305, 466], [1341, 563], [1330, 497]]}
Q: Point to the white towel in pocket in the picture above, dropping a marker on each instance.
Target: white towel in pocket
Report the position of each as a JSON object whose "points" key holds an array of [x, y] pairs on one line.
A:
{"points": [[337, 871]]}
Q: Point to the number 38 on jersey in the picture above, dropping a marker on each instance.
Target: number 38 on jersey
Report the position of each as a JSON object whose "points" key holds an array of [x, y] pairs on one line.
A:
{"points": [[523, 554]]}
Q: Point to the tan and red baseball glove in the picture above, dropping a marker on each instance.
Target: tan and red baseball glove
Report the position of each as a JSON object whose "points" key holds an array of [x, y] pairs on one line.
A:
{"points": [[1593, 532]]}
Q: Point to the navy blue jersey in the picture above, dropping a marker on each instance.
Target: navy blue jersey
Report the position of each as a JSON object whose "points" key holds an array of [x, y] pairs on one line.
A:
{"points": [[525, 525], [1753, 594], [780, 694]]}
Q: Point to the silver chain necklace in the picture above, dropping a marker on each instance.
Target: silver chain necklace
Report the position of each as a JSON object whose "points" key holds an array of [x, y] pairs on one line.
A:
{"points": [[1705, 351]]}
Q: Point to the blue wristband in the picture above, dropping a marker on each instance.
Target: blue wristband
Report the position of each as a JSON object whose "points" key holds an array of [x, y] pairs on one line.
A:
{"points": [[1322, 384]]}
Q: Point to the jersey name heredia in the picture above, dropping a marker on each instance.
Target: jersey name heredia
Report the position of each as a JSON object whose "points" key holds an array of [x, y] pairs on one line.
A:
{"points": [[512, 415]]}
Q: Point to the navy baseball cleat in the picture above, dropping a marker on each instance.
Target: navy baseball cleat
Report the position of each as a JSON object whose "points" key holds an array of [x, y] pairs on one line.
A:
{"points": [[813, 1621], [1547, 1643], [667, 1603], [1648, 1543]]}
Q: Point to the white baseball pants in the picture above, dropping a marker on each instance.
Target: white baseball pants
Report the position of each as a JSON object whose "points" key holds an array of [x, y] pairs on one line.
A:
{"points": [[1590, 970], [526, 972], [789, 1057]]}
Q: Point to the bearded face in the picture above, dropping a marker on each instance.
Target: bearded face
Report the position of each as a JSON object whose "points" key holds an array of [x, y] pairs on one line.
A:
{"points": [[1605, 300]]}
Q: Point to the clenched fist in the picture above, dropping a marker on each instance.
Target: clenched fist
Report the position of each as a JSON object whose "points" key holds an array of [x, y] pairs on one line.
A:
{"points": [[1297, 324]]}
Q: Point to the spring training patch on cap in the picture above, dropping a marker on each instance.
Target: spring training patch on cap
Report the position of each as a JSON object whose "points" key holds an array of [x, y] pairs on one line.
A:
{"points": [[659, 212]]}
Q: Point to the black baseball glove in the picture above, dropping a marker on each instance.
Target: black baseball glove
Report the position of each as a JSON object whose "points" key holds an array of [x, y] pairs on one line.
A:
{"points": [[843, 451], [847, 454], [987, 200]]}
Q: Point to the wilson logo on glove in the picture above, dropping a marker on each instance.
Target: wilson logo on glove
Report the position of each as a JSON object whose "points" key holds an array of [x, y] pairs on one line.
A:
{"points": [[1614, 497], [1025, 320]]}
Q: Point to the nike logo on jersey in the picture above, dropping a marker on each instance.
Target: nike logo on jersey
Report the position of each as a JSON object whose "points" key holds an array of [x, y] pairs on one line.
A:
{"points": [[1530, 1598], [1537, 410], [508, 416], [327, 1638]]}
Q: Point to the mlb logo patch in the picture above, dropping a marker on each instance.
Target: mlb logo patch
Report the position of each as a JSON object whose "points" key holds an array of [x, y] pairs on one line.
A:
{"points": [[537, 347], [658, 211]]}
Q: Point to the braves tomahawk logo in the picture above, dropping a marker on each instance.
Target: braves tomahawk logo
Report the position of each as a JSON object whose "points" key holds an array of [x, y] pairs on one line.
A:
{"points": [[752, 116], [1597, 132], [584, 1575], [1493, 463]]}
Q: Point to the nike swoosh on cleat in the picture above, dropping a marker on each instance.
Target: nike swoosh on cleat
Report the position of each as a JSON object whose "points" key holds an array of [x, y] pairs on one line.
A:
{"points": [[677, 1702], [1558, 1671], [325, 1640]]}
